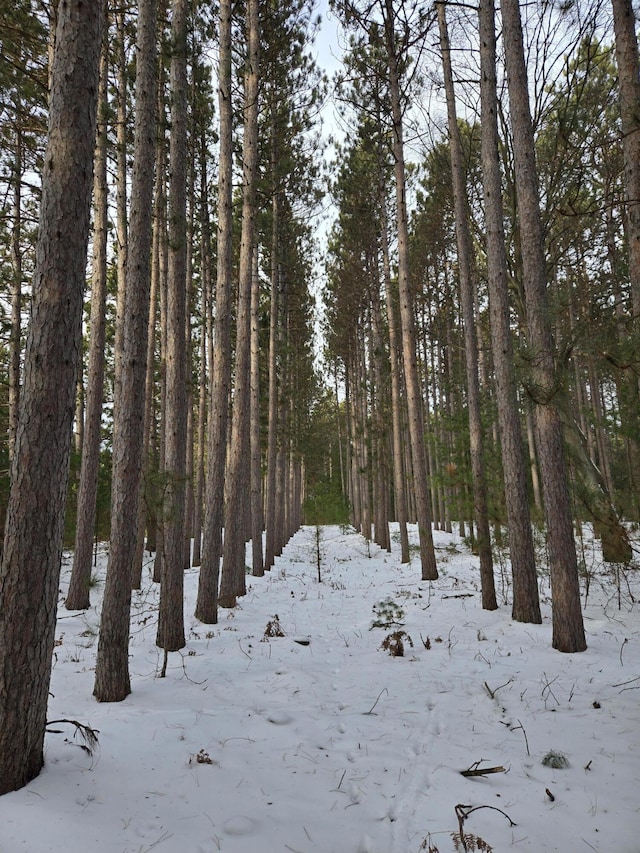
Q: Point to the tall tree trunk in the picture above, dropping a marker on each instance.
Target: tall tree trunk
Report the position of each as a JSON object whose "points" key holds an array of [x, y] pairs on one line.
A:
{"points": [[207, 601], [568, 628], [189, 507], [170, 635], [78, 418], [272, 428], [533, 460], [112, 683], [256, 454], [526, 603], [624, 22], [147, 514], [121, 176], [32, 556], [15, 336], [205, 332], [468, 287], [147, 505], [78, 593], [399, 479], [414, 399], [238, 481], [163, 257], [380, 444], [158, 288]]}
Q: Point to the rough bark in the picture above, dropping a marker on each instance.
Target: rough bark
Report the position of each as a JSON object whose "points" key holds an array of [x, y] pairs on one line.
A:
{"points": [[112, 682], [15, 335], [121, 177], [170, 635], [399, 480], [78, 592], [30, 568], [407, 321], [468, 288], [256, 454], [272, 428], [568, 628], [207, 601], [205, 332], [624, 23], [626, 44], [238, 481], [526, 603]]}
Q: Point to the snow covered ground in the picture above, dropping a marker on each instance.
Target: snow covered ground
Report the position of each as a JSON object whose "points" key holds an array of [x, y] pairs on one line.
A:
{"points": [[266, 744]]}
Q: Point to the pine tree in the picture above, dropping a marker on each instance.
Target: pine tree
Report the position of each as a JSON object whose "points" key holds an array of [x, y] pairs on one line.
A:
{"points": [[33, 545]]}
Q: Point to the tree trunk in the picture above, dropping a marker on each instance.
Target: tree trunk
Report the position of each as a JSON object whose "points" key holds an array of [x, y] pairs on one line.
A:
{"points": [[526, 603], [624, 23], [78, 593], [380, 444], [78, 418], [35, 516], [121, 178], [399, 479], [207, 602], [161, 223], [468, 287], [239, 490], [256, 455], [568, 628], [191, 427], [158, 288], [147, 505], [170, 635], [112, 683], [205, 332], [272, 428], [414, 399], [15, 337]]}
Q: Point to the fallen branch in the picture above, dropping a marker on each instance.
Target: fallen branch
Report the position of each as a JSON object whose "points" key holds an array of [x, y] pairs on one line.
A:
{"points": [[460, 595], [463, 812], [474, 770], [88, 735]]}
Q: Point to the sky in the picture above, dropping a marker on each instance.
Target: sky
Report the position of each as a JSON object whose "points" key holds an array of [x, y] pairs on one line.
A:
{"points": [[328, 40], [320, 741]]}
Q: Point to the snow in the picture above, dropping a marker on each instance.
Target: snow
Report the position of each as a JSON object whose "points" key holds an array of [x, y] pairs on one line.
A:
{"points": [[334, 746]]}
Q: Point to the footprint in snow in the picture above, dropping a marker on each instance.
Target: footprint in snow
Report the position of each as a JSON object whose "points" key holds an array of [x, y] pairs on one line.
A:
{"points": [[240, 825], [279, 718], [147, 829]]}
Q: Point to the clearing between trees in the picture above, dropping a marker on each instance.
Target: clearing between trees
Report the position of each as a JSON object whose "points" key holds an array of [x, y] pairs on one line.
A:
{"points": [[366, 712]]}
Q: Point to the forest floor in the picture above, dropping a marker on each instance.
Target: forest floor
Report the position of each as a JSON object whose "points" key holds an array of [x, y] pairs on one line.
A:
{"points": [[321, 741]]}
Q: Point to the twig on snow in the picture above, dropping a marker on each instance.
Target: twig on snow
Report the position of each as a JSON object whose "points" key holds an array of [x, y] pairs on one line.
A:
{"points": [[492, 693], [526, 740], [624, 643], [459, 595], [88, 735], [474, 770], [370, 711], [463, 812], [631, 680]]}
